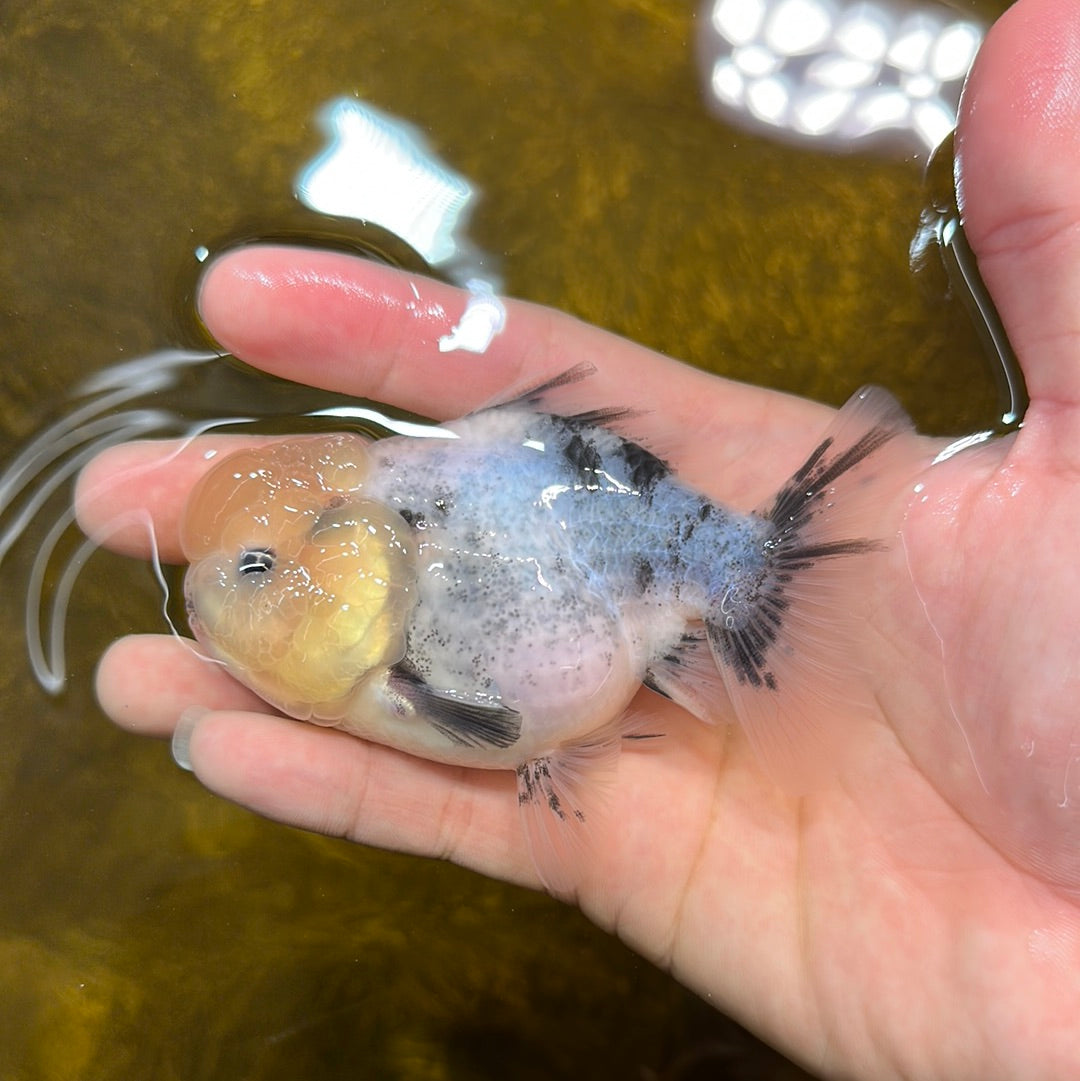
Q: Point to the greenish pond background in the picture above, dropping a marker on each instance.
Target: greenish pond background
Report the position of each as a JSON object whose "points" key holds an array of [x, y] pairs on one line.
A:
{"points": [[148, 929]]}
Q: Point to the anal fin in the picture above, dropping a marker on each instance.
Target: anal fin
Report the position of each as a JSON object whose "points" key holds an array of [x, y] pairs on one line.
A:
{"points": [[688, 676]]}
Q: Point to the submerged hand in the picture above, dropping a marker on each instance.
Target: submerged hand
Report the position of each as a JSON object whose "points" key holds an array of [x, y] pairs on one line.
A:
{"points": [[921, 916]]}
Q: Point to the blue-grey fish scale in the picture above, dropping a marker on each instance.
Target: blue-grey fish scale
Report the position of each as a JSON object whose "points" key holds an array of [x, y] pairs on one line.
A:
{"points": [[536, 532]]}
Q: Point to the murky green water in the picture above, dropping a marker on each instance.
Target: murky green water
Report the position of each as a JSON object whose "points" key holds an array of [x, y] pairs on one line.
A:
{"points": [[149, 930]]}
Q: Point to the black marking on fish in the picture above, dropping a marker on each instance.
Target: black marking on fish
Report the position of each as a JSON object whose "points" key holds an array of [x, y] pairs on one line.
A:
{"points": [[536, 786], [534, 395], [646, 469], [753, 612], [584, 459], [413, 518], [801, 498], [255, 561], [650, 680], [691, 522], [643, 573], [597, 418], [744, 648], [689, 674], [468, 723], [687, 643]]}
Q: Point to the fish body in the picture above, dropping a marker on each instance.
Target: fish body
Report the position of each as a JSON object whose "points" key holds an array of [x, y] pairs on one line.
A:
{"points": [[496, 595], [556, 563]]}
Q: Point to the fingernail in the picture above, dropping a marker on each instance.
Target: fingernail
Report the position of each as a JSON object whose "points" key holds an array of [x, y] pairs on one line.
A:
{"points": [[181, 738]]}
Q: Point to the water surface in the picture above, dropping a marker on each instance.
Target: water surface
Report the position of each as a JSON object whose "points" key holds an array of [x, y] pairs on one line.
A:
{"points": [[148, 929]]}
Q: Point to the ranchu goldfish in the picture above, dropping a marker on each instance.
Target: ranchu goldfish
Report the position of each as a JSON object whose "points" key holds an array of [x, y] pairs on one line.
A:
{"points": [[495, 595]]}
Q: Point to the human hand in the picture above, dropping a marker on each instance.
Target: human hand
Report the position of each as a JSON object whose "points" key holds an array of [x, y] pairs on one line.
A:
{"points": [[917, 918]]}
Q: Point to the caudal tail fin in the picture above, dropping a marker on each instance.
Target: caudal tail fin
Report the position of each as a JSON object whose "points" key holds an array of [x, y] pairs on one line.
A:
{"points": [[788, 638]]}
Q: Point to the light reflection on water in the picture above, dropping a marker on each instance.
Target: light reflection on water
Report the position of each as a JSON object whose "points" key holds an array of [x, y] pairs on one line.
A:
{"points": [[192, 392], [380, 169], [147, 929], [878, 74]]}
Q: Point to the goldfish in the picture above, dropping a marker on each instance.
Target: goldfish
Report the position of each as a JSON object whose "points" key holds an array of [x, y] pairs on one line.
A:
{"points": [[495, 596]]}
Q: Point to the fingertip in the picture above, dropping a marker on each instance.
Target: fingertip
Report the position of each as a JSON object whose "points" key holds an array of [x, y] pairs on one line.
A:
{"points": [[233, 297], [145, 682], [349, 324], [119, 504], [1018, 155], [93, 481], [182, 736], [1019, 132], [113, 690]]}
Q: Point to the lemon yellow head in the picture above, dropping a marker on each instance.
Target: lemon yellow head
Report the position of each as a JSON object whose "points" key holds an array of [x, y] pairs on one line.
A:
{"points": [[298, 583]]}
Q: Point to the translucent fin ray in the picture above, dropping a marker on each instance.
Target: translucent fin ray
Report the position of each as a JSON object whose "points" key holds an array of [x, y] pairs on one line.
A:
{"points": [[787, 642]]}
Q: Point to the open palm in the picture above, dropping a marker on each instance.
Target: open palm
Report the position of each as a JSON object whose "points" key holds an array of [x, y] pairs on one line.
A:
{"points": [[920, 917]]}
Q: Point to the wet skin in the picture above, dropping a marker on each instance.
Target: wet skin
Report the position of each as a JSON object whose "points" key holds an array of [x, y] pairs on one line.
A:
{"points": [[920, 916]]}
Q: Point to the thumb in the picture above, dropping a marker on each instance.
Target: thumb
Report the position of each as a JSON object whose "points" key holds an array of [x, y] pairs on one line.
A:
{"points": [[1018, 160]]}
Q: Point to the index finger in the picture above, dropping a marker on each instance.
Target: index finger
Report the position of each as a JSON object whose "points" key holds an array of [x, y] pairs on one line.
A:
{"points": [[349, 324], [352, 325]]}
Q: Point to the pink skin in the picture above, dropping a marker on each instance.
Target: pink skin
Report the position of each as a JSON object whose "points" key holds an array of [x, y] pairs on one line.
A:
{"points": [[914, 919]]}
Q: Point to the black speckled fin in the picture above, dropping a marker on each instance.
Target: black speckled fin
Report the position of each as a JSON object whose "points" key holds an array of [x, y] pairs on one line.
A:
{"points": [[689, 677], [540, 395], [564, 798], [535, 395], [788, 639], [643, 459], [468, 722]]}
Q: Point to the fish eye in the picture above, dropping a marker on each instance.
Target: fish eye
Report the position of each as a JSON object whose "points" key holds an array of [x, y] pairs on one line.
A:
{"points": [[255, 561]]}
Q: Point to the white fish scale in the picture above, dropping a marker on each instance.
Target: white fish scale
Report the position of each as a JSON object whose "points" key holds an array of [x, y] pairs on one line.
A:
{"points": [[539, 588]]}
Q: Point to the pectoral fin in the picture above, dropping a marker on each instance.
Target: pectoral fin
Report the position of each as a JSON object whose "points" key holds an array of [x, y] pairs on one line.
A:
{"points": [[469, 722]]}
